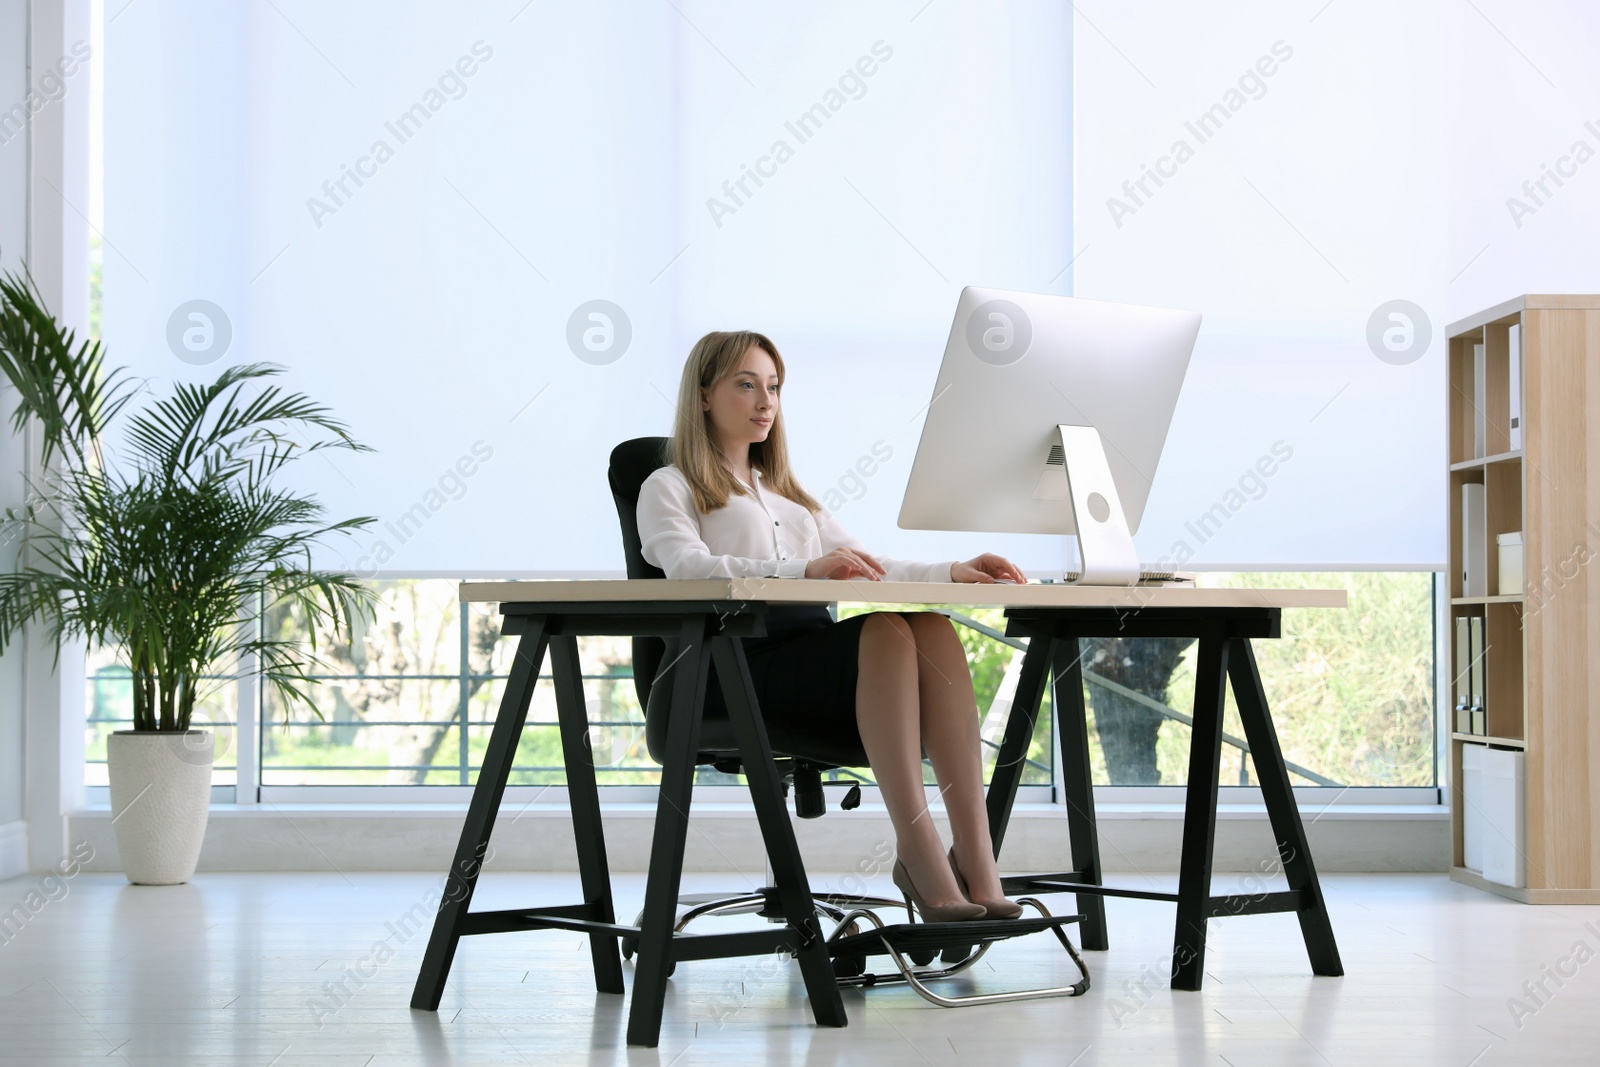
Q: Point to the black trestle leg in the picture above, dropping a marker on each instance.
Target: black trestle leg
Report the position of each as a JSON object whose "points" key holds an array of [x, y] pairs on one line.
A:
{"points": [[687, 676], [1200, 812], [1293, 849], [1077, 784], [584, 799], [462, 878], [766, 793]]}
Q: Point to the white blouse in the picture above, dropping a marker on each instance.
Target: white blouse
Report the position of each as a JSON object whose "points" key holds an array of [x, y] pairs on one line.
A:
{"points": [[761, 534]]}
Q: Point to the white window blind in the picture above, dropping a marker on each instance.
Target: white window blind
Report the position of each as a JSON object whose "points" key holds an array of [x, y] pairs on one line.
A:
{"points": [[416, 208], [1312, 163], [420, 231]]}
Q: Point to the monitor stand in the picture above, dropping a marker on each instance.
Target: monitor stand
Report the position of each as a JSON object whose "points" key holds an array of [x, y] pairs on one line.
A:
{"points": [[1105, 547]]}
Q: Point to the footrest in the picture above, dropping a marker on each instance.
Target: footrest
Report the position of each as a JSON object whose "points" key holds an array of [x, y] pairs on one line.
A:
{"points": [[926, 940], [932, 938]]}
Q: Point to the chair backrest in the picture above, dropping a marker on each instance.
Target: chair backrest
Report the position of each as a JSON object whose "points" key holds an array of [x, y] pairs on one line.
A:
{"points": [[631, 463]]}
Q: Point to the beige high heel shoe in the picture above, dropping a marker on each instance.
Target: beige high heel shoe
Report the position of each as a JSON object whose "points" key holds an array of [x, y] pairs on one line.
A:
{"points": [[992, 909], [944, 913]]}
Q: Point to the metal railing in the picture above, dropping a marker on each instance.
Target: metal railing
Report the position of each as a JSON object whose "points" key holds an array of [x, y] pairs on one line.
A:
{"points": [[1166, 712], [467, 681]]}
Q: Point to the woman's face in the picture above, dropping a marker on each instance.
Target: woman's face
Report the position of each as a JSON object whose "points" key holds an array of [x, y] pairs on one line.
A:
{"points": [[743, 405]]}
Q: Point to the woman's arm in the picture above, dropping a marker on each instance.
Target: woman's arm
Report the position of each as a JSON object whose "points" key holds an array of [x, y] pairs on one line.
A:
{"points": [[895, 570], [986, 569], [669, 530]]}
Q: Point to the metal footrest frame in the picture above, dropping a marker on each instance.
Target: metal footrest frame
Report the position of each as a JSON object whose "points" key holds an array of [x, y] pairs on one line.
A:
{"points": [[917, 978], [829, 905]]}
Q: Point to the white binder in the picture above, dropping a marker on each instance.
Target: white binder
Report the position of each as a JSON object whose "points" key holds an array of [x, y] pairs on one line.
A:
{"points": [[1480, 713], [1505, 819]]}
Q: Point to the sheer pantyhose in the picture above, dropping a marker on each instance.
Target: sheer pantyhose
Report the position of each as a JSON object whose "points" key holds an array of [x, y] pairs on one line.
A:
{"points": [[914, 695]]}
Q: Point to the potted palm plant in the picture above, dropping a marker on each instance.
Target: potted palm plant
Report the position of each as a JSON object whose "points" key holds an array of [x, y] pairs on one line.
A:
{"points": [[167, 545]]}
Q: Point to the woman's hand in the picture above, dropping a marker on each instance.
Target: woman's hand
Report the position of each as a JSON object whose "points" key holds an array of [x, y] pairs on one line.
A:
{"points": [[843, 563], [986, 570]]}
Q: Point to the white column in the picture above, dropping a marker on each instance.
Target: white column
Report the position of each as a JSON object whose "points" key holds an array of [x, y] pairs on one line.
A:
{"points": [[58, 256], [13, 246]]}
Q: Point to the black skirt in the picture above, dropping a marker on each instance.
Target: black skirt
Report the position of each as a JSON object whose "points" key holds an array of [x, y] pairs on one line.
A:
{"points": [[804, 672]]}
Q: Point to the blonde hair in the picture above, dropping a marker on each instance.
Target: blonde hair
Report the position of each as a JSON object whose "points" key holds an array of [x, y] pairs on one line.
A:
{"points": [[694, 450]]}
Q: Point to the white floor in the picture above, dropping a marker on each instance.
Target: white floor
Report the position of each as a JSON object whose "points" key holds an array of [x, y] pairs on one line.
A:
{"points": [[237, 969]]}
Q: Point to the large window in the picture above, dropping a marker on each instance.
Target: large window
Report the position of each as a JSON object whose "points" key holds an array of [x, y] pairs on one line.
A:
{"points": [[660, 152], [1351, 691], [409, 702]]}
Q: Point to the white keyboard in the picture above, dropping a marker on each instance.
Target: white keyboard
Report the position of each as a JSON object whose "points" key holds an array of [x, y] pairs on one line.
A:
{"points": [[1153, 577]]}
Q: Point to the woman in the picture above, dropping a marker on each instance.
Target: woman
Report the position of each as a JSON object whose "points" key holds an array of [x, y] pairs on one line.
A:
{"points": [[728, 506]]}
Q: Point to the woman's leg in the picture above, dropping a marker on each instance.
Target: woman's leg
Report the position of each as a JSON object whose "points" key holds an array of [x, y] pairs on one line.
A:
{"points": [[949, 720], [889, 716]]}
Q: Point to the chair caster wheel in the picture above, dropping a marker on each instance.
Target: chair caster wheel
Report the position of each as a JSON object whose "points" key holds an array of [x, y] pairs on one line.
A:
{"points": [[922, 958], [849, 966], [630, 947]]}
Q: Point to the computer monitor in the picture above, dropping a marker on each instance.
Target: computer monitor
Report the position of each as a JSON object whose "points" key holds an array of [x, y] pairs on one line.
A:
{"points": [[1049, 416]]}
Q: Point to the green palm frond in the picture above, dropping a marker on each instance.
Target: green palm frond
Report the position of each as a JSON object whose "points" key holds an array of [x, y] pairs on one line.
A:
{"points": [[174, 559], [215, 429], [61, 382]]}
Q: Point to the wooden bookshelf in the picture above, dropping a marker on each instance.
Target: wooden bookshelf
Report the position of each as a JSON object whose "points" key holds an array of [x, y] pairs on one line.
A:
{"points": [[1542, 645]]}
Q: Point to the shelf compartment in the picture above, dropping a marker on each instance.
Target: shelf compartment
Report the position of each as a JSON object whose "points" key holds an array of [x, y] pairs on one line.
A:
{"points": [[1502, 669], [1503, 514], [1462, 411], [1458, 478], [1497, 387]]}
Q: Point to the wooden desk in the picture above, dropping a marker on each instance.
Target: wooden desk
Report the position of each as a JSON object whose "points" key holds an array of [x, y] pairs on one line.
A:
{"points": [[822, 591], [707, 617]]}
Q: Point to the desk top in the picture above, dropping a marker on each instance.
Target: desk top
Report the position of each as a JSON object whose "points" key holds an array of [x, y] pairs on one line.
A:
{"points": [[824, 591]]}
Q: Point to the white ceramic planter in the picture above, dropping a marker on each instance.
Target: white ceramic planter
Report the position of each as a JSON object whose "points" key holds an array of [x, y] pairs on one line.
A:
{"points": [[160, 799]]}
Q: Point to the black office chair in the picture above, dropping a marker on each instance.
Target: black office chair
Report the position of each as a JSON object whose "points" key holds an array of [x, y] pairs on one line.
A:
{"points": [[801, 761], [806, 758], [858, 932]]}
